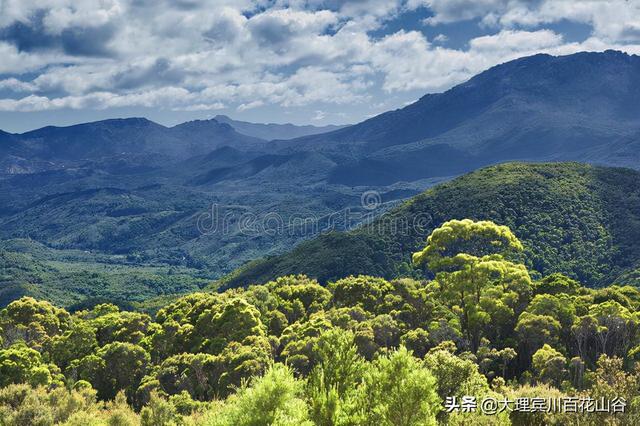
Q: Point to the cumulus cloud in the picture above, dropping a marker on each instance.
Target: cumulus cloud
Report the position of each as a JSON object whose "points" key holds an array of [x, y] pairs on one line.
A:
{"points": [[201, 55], [510, 41], [447, 11], [611, 20], [15, 85]]}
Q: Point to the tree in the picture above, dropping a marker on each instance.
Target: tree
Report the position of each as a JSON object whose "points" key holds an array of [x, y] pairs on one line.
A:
{"points": [[476, 280], [77, 342], [299, 339], [493, 362], [559, 307], [115, 367], [197, 374], [117, 326], [230, 321], [397, 390], [611, 380], [556, 284], [159, 412], [617, 327], [417, 341], [21, 364], [21, 404], [274, 399], [455, 376], [334, 380], [32, 321], [549, 365], [450, 246], [298, 295], [534, 331], [364, 291]]}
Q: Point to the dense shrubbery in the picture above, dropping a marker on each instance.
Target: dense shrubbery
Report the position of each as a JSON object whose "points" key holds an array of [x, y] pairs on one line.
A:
{"points": [[360, 351]]}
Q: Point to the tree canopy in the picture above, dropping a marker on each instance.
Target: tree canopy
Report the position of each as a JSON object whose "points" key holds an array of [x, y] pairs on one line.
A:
{"points": [[361, 350]]}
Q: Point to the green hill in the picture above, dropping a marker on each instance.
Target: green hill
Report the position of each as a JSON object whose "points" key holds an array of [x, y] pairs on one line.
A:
{"points": [[72, 277], [577, 219]]}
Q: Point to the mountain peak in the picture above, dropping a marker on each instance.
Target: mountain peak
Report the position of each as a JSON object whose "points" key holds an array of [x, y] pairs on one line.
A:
{"points": [[205, 124], [559, 70], [114, 123], [273, 131]]}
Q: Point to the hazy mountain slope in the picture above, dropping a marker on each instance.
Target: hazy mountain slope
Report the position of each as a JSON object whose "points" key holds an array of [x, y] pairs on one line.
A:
{"points": [[539, 108], [131, 142], [206, 135], [273, 131], [572, 218]]}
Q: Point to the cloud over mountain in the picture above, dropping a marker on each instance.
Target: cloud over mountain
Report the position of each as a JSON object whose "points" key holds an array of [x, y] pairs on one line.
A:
{"points": [[199, 55]]}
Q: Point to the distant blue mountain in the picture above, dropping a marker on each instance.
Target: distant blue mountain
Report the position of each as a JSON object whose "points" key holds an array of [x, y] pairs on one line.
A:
{"points": [[581, 107], [131, 139], [273, 131]]}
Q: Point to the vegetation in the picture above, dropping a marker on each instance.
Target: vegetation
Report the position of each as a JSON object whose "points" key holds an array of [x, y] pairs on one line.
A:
{"points": [[578, 220], [362, 350], [76, 279], [575, 219]]}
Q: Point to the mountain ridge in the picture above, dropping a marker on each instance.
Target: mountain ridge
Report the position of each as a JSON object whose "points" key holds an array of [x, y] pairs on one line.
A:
{"points": [[577, 219], [273, 131], [543, 108]]}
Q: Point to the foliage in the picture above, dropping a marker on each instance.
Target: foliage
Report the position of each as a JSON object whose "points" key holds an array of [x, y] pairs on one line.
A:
{"points": [[362, 350], [574, 219]]}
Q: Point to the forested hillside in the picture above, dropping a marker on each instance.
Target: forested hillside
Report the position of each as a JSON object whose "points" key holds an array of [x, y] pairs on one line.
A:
{"points": [[580, 220], [360, 351], [133, 194], [71, 278]]}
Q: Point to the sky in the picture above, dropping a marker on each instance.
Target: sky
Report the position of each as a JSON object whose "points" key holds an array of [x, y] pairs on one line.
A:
{"points": [[300, 61]]}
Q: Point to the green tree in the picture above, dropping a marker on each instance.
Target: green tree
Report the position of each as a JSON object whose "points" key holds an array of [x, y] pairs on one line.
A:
{"points": [[298, 341], [455, 376], [274, 399], [363, 291], [450, 246], [397, 390], [334, 380], [115, 367], [230, 321], [298, 296], [556, 284], [476, 280], [32, 321], [77, 342], [534, 331], [21, 364], [549, 365]]}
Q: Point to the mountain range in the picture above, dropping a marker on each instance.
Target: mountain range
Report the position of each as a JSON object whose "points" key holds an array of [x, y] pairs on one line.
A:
{"points": [[274, 131], [136, 193], [581, 107]]}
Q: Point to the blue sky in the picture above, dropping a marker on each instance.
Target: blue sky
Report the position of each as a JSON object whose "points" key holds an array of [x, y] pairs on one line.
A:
{"points": [[299, 61]]}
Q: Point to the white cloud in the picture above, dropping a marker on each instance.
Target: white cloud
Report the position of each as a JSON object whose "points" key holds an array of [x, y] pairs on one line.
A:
{"points": [[15, 85], [446, 11], [250, 105], [515, 41], [440, 38], [200, 55], [319, 115]]}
